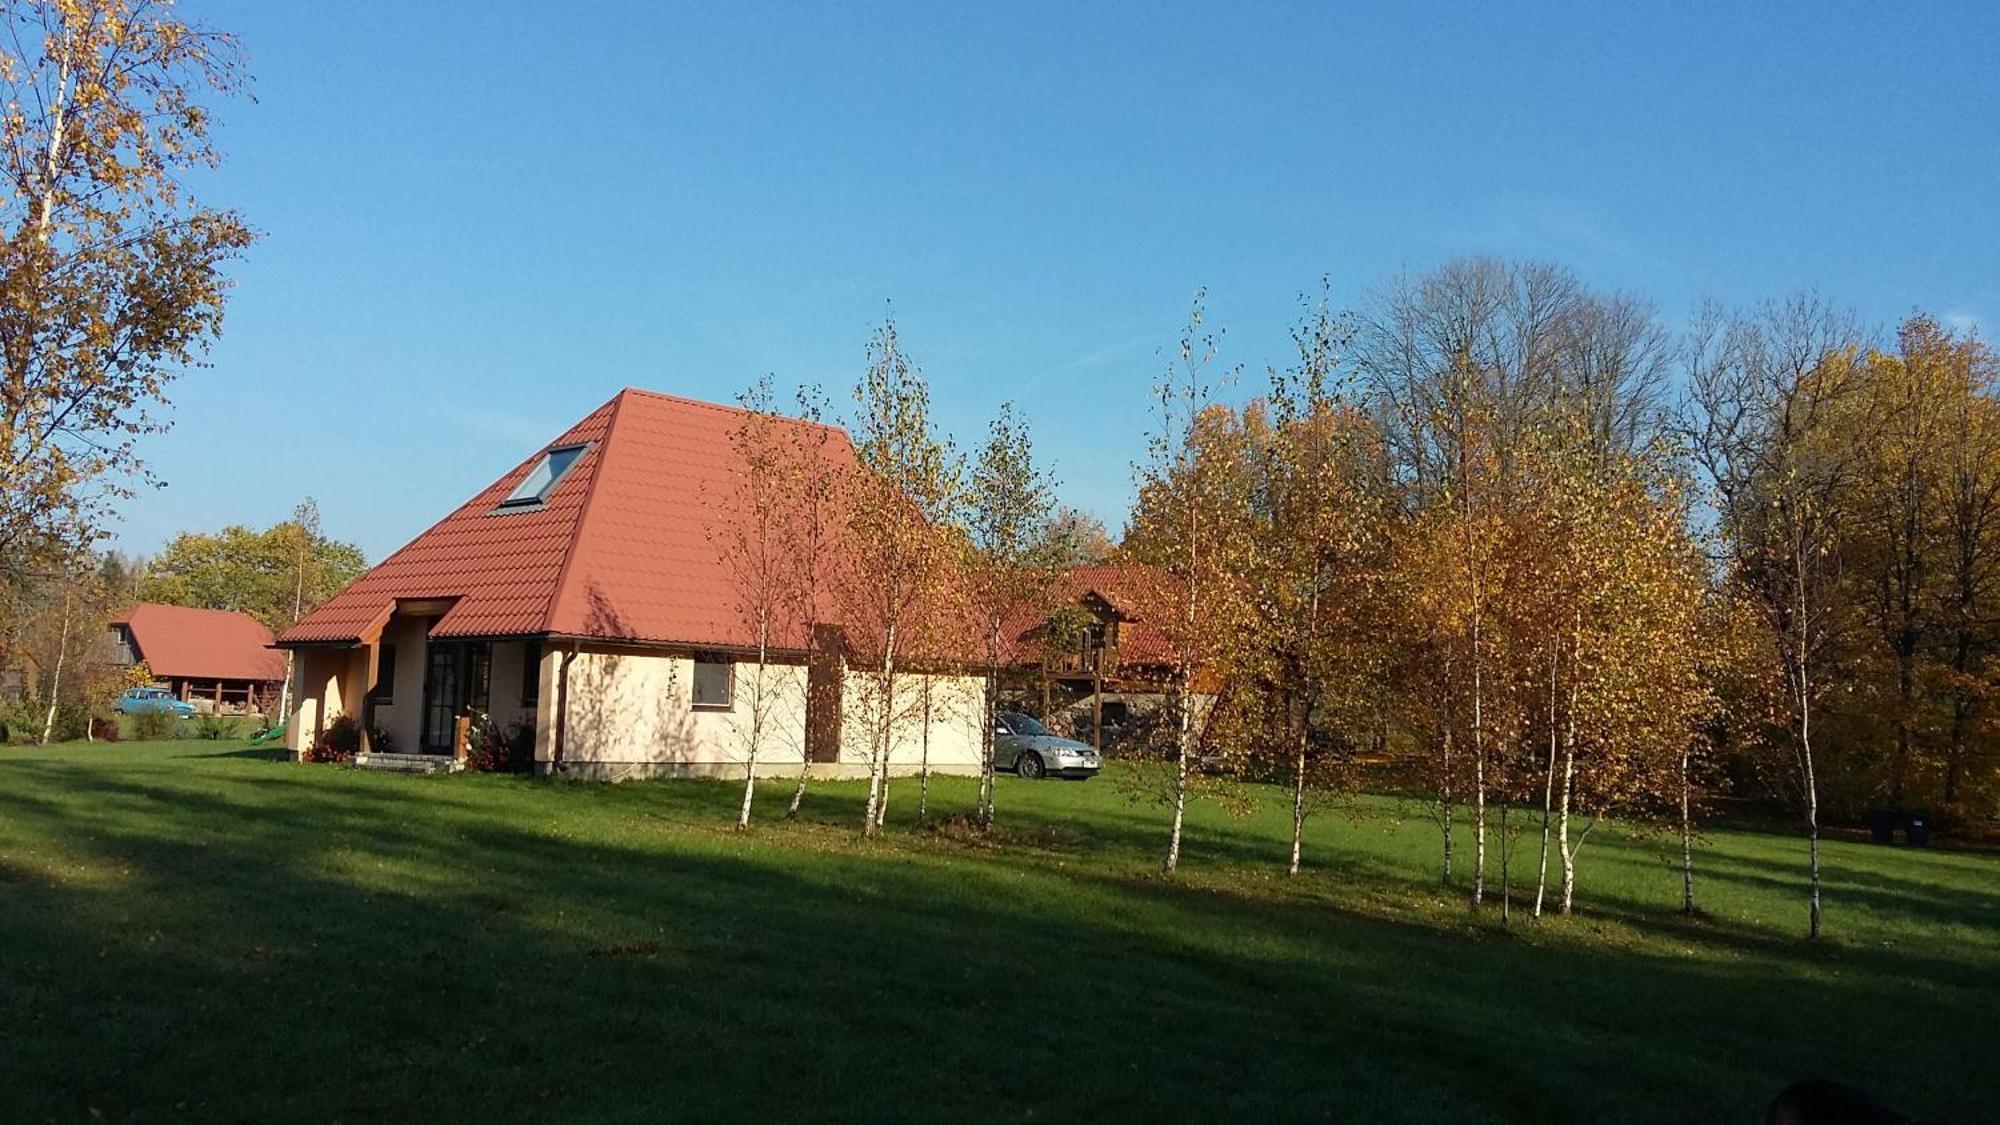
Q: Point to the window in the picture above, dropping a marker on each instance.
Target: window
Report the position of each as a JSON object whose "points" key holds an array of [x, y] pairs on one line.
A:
{"points": [[384, 690], [543, 478], [714, 683], [531, 674]]}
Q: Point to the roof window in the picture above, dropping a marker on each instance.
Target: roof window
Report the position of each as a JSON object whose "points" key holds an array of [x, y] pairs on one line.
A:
{"points": [[543, 478]]}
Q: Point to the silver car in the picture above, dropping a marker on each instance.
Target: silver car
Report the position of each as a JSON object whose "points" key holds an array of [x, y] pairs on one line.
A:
{"points": [[1030, 749]]}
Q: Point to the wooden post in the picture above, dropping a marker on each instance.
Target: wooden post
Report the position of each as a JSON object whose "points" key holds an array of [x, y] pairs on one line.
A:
{"points": [[461, 737]]}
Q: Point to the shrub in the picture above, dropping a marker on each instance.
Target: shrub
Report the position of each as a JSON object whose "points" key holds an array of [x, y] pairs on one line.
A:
{"points": [[213, 728], [151, 726], [496, 749], [104, 730], [381, 741], [339, 742]]}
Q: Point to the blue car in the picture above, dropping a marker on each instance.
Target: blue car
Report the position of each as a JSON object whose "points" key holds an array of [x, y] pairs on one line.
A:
{"points": [[139, 700]]}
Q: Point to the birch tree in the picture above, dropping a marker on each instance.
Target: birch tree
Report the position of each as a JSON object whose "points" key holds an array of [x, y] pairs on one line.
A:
{"points": [[753, 544], [111, 273], [1319, 567], [816, 463], [1776, 406], [898, 558], [1187, 524], [1017, 553]]}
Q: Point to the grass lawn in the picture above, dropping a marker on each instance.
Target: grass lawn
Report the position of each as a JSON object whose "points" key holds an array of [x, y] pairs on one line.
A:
{"points": [[194, 929]]}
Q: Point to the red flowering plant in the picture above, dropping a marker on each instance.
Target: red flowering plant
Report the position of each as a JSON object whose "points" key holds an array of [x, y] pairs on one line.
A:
{"points": [[492, 748], [339, 742]]}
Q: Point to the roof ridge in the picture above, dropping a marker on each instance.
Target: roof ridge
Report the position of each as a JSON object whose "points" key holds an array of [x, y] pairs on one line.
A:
{"points": [[725, 408], [603, 454]]}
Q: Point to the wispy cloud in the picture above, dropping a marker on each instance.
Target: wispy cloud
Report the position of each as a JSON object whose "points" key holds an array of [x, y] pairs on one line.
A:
{"points": [[1967, 322], [1095, 357]]}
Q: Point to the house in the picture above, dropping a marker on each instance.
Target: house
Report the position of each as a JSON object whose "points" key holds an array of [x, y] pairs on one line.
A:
{"points": [[583, 596], [218, 657], [1096, 662]]}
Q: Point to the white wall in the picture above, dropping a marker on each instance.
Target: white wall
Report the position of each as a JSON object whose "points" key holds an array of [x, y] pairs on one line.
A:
{"points": [[632, 714]]}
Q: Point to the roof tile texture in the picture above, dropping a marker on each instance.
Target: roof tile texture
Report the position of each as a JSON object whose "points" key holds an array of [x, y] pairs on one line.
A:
{"points": [[627, 545], [180, 642]]}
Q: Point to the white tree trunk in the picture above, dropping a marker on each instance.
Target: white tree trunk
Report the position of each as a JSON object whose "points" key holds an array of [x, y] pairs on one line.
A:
{"points": [[1181, 765], [1562, 829], [1803, 682], [924, 760], [759, 704], [1548, 794], [1298, 803], [1687, 836], [1445, 811], [55, 680], [878, 751], [1478, 763]]}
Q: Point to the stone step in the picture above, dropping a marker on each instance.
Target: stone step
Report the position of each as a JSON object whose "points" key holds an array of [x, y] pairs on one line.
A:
{"points": [[409, 763]]}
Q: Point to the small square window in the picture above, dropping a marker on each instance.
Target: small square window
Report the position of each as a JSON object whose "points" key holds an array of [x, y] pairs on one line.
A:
{"points": [[543, 478], [714, 683], [384, 691], [531, 674]]}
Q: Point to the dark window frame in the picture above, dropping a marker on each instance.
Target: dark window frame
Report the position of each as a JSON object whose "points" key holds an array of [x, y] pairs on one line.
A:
{"points": [[728, 666], [382, 692], [531, 674]]}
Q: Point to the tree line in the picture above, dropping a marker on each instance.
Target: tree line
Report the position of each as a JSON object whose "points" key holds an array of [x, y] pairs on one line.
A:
{"points": [[1495, 539], [1515, 545]]}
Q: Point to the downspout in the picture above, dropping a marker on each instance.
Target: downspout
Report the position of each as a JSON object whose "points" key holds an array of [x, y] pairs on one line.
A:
{"points": [[562, 709]]}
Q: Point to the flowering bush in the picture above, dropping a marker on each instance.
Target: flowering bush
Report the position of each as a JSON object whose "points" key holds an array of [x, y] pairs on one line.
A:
{"points": [[497, 749], [337, 743]]}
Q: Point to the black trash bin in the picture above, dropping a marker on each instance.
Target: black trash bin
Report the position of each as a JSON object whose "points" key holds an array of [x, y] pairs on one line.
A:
{"points": [[1882, 825], [1917, 829]]}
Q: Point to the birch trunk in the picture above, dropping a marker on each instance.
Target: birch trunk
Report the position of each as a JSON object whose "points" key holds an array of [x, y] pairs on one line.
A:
{"points": [[1506, 875], [924, 761], [1180, 778], [758, 705], [1298, 800], [1548, 794], [878, 750], [1687, 836], [986, 733], [1803, 681], [1478, 752], [1444, 798], [55, 680], [1562, 820]]}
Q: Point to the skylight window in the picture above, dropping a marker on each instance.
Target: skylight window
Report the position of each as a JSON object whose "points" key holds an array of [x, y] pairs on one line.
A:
{"points": [[543, 478]]}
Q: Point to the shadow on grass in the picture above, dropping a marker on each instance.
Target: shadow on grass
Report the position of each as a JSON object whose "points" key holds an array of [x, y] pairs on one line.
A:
{"points": [[309, 944]]}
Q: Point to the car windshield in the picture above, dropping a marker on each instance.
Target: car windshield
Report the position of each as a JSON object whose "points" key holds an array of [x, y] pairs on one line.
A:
{"points": [[1022, 724]]}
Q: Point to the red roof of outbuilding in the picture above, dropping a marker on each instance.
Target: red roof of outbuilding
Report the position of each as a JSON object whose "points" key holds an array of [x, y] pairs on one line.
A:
{"points": [[624, 547], [180, 642], [1128, 588]]}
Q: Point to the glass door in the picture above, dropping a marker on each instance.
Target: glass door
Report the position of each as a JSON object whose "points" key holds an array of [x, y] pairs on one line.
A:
{"points": [[442, 688]]}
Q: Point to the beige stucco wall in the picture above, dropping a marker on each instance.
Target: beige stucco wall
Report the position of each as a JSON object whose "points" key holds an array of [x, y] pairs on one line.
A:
{"points": [[632, 714], [953, 728], [333, 681], [402, 718], [330, 682]]}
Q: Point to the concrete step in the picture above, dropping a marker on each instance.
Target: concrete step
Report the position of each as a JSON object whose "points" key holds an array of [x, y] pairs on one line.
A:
{"points": [[409, 763]]}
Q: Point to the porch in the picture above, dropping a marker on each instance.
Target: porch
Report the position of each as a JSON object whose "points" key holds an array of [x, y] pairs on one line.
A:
{"points": [[416, 698]]}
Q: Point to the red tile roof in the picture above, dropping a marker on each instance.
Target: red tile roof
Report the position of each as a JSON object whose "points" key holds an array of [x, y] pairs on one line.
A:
{"points": [[623, 547], [179, 642]]}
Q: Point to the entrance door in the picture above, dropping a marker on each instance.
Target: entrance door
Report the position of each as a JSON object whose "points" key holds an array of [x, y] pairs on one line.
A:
{"points": [[456, 678], [442, 684]]}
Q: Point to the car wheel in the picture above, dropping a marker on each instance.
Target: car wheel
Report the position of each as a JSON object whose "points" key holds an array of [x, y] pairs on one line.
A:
{"points": [[1030, 766]]}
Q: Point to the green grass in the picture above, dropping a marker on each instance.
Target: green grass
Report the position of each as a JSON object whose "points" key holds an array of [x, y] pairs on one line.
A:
{"points": [[196, 929]]}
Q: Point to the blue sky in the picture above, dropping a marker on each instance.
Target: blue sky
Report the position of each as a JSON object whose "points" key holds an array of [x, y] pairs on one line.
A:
{"points": [[480, 221]]}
